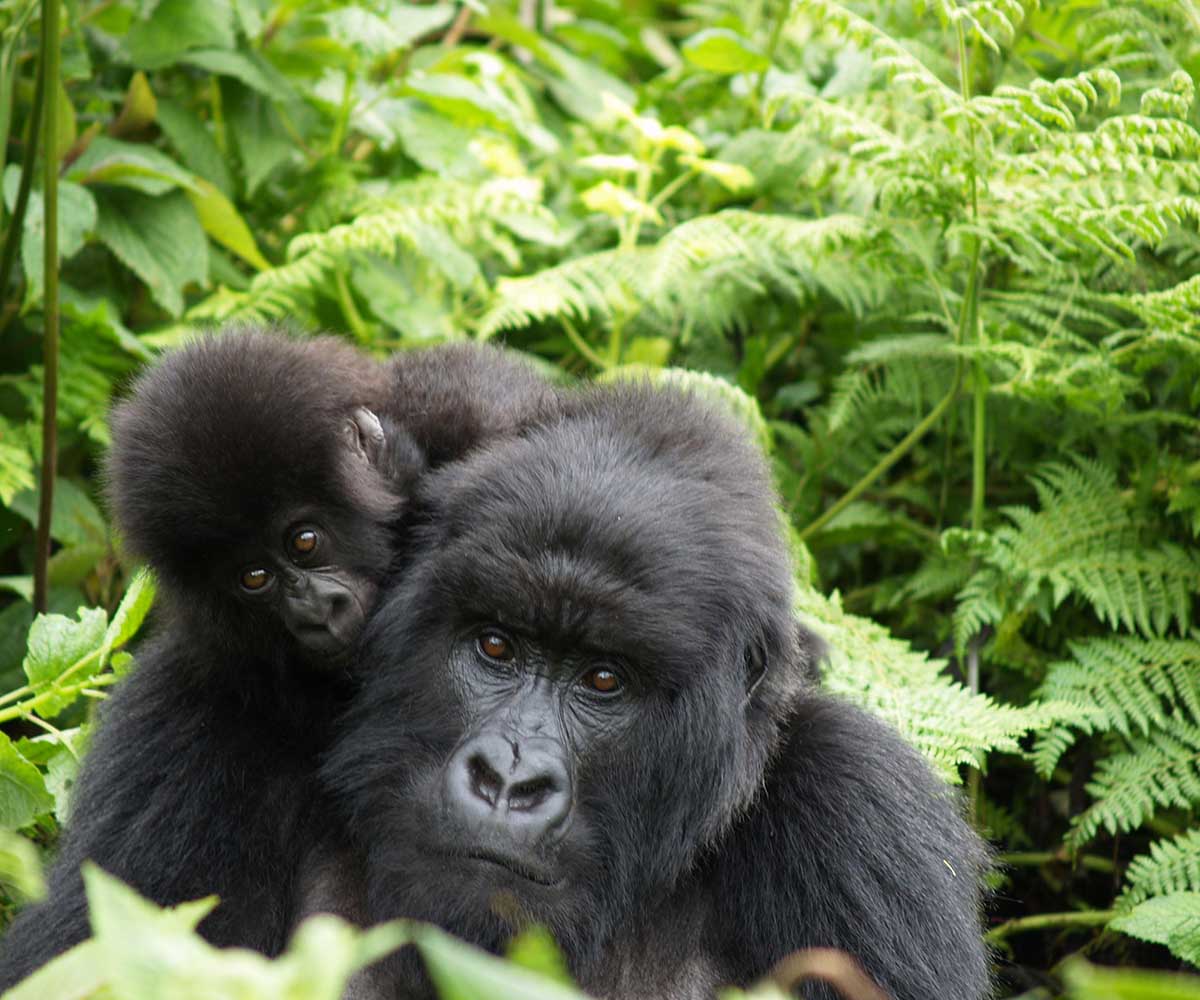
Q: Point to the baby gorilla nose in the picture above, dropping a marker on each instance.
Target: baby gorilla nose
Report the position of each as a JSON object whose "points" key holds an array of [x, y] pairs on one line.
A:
{"points": [[325, 613], [514, 791]]}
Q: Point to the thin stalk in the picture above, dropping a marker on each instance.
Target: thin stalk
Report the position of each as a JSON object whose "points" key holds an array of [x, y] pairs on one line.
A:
{"points": [[1049, 921], [12, 238], [979, 380], [41, 552], [582, 346], [885, 463], [1033, 859], [785, 8]]}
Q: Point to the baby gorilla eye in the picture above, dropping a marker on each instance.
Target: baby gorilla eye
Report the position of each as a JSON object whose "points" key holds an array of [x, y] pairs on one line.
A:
{"points": [[602, 681], [255, 579], [304, 541], [495, 646]]}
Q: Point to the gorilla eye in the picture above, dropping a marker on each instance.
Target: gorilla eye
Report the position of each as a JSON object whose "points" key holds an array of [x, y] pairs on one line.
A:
{"points": [[495, 646], [602, 681], [304, 541], [255, 579]]}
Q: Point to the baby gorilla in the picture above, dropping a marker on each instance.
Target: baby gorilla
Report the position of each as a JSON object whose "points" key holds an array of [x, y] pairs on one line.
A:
{"points": [[588, 707], [251, 472]]}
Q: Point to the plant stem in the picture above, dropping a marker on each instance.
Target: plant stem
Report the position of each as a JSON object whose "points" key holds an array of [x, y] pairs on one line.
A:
{"points": [[885, 463], [41, 553], [16, 225], [781, 19], [1028, 859], [582, 346], [1047, 921]]}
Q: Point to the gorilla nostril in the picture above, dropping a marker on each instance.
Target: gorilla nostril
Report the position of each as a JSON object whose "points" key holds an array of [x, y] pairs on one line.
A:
{"points": [[485, 783], [527, 795]]}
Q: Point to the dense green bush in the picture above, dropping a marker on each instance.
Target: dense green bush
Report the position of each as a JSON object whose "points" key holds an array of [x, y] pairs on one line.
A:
{"points": [[942, 257]]}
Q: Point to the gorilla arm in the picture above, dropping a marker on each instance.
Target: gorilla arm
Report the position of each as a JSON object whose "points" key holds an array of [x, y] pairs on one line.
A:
{"points": [[187, 790], [853, 844]]}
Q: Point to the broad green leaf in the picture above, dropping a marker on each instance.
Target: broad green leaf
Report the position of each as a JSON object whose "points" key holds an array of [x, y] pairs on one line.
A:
{"points": [[458, 98], [1172, 920], [194, 144], [159, 239], [76, 219], [23, 794], [432, 140], [534, 949], [262, 144], [437, 246], [729, 175], [131, 165], [720, 50], [57, 643], [21, 865], [130, 613], [254, 72], [379, 35], [463, 972], [650, 351], [77, 974], [174, 27], [149, 953], [223, 223], [74, 518], [612, 164], [579, 86], [140, 108], [1085, 981], [617, 202]]}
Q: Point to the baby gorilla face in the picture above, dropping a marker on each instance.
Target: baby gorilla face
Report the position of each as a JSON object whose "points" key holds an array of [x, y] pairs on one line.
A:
{"points": [[304, 581]]}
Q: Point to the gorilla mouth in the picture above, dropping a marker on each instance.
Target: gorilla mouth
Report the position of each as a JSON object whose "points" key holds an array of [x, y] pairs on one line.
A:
{"points": [[531, 873]]}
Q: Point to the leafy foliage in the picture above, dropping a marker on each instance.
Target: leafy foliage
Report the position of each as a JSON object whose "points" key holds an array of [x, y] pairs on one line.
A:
{"points": [[941, 258]]}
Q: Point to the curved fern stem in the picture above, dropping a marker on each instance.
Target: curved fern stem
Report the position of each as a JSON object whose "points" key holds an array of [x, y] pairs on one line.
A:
{"points": [[582, 346], [1045, 921], [885, 463]]}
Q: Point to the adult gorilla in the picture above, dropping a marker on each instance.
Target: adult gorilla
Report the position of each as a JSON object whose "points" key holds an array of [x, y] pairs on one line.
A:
{"points": [[588, 708]]}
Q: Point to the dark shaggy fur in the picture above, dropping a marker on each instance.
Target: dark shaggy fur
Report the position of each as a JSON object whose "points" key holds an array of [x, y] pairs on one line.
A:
{"points": [[201, 778], [693, 825]]}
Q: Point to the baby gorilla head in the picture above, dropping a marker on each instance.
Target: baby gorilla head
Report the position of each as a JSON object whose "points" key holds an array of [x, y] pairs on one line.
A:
{"points": [[579, 680], [245, 470]]}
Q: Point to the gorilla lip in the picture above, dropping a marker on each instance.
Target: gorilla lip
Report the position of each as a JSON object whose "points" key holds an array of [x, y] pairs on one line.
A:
{"points": [[517, 867]]}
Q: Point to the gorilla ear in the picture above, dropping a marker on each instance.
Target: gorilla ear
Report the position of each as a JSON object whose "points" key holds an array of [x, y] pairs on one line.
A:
{"points": [[364, 434]]}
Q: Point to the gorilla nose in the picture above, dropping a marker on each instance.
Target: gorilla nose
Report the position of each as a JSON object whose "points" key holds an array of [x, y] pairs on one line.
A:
{"points": [[522, 788]]}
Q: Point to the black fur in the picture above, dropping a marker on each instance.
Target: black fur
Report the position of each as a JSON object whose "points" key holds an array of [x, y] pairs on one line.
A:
{"points": [[721, 811], [201, 778]]}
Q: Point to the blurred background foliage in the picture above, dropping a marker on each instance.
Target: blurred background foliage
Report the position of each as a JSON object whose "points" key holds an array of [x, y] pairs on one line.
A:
{"points": [[942, 256]]}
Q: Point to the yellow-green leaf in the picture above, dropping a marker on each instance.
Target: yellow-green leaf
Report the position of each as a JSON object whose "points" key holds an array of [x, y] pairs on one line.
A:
{"points": [[223, 223]]}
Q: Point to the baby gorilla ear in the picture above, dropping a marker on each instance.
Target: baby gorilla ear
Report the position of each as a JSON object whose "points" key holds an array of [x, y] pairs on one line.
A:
{"points": [[365, 435]]}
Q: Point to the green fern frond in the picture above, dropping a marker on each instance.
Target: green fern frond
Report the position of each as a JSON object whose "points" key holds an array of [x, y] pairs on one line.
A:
{"points": [[671, 282], [1171, 866], [431, 217], [1160, 771], [889, 678], [901, 65], [1122, 684], [1082, 542]]}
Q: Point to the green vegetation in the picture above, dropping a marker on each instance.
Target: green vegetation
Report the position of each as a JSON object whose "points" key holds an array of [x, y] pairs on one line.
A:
{"points": [[947, 252]]}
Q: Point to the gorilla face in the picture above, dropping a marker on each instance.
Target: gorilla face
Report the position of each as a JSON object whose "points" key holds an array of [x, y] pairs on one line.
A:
{"points": [[578, 683]]}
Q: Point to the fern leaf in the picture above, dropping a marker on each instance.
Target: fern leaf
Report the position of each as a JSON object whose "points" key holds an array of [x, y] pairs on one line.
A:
{"points": [[1123, 684], [1171, 866], [1159, 771]]}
